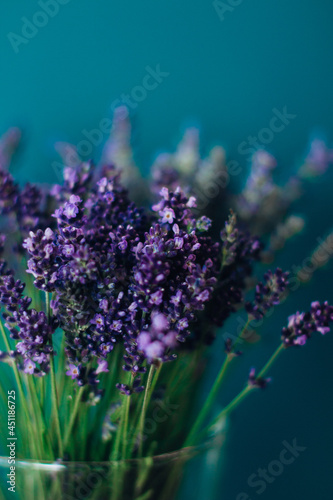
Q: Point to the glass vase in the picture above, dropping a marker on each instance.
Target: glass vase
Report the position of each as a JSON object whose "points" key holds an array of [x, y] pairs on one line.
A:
{"points": [[150, 478]]}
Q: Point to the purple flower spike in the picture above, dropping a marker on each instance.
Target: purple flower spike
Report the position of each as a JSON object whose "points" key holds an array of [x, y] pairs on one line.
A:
{"points": [[268, 293], [302, 325], [259, 382]]}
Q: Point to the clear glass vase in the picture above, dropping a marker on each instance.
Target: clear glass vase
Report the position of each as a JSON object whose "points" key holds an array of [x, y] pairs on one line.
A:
{"points": [[151, 478]]}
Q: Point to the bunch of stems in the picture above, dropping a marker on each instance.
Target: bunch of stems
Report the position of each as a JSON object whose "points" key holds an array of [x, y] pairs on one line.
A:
{"points": [[59, 415]]}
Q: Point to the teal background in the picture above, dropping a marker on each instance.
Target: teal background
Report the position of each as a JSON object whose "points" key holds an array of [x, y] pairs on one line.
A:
{"points": [[226, 76]]}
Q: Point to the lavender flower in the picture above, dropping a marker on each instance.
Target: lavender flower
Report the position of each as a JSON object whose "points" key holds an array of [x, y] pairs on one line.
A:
{"points": [[73, 371], [259, 184], [44, 261], [29, 327], [302, 325], [255, 381], [118, 151], [156, 342], [238, 253], [164, 174], [284, 231], [317, 161], [29, 366], [28, 208], [229, 236], [263, 203], [102, 366], [85, 262], [268, 293], [132, 289], [8, 193], [77, 181]]}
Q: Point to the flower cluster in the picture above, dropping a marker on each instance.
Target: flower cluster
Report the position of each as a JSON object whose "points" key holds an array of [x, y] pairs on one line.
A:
{"points": [[28, 208], [302, 325], [30, 329], [205, 178], [155, 342], [133, 281], [284, 231], [86, 262], [317, 161], [43, 263], [268, 293], [238, 252], [120, 276], [176, 268], [255, 381], [259, 184], [155, 282], [8, 193], [23, 204], [77, 181]]}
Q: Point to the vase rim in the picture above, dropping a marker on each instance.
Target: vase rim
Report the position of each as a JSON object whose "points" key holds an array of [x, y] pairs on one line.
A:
{"points": [[59, 465]]}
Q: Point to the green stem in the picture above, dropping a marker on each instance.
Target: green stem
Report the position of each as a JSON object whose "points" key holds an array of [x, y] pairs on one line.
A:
{"points": [[3, 397], [20, 389], [39, 419], [55, 406], [54, 393], [271, 361], [47, 303], [238, 399], [224, 254], [126, 417], [244, 329], [207, 406], [140, 426], [115, 451], [83, 432], [42, 392], [213, 393], [73, 416], [235, 402], [108, 381], [153, 384], [144, 408]]}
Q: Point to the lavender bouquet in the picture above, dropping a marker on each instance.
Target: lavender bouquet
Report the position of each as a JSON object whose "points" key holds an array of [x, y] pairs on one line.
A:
{"points": [[109, 311]]}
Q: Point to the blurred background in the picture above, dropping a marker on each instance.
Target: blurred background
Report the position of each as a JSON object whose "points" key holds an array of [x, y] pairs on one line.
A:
{"points": [[228, 68]]}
